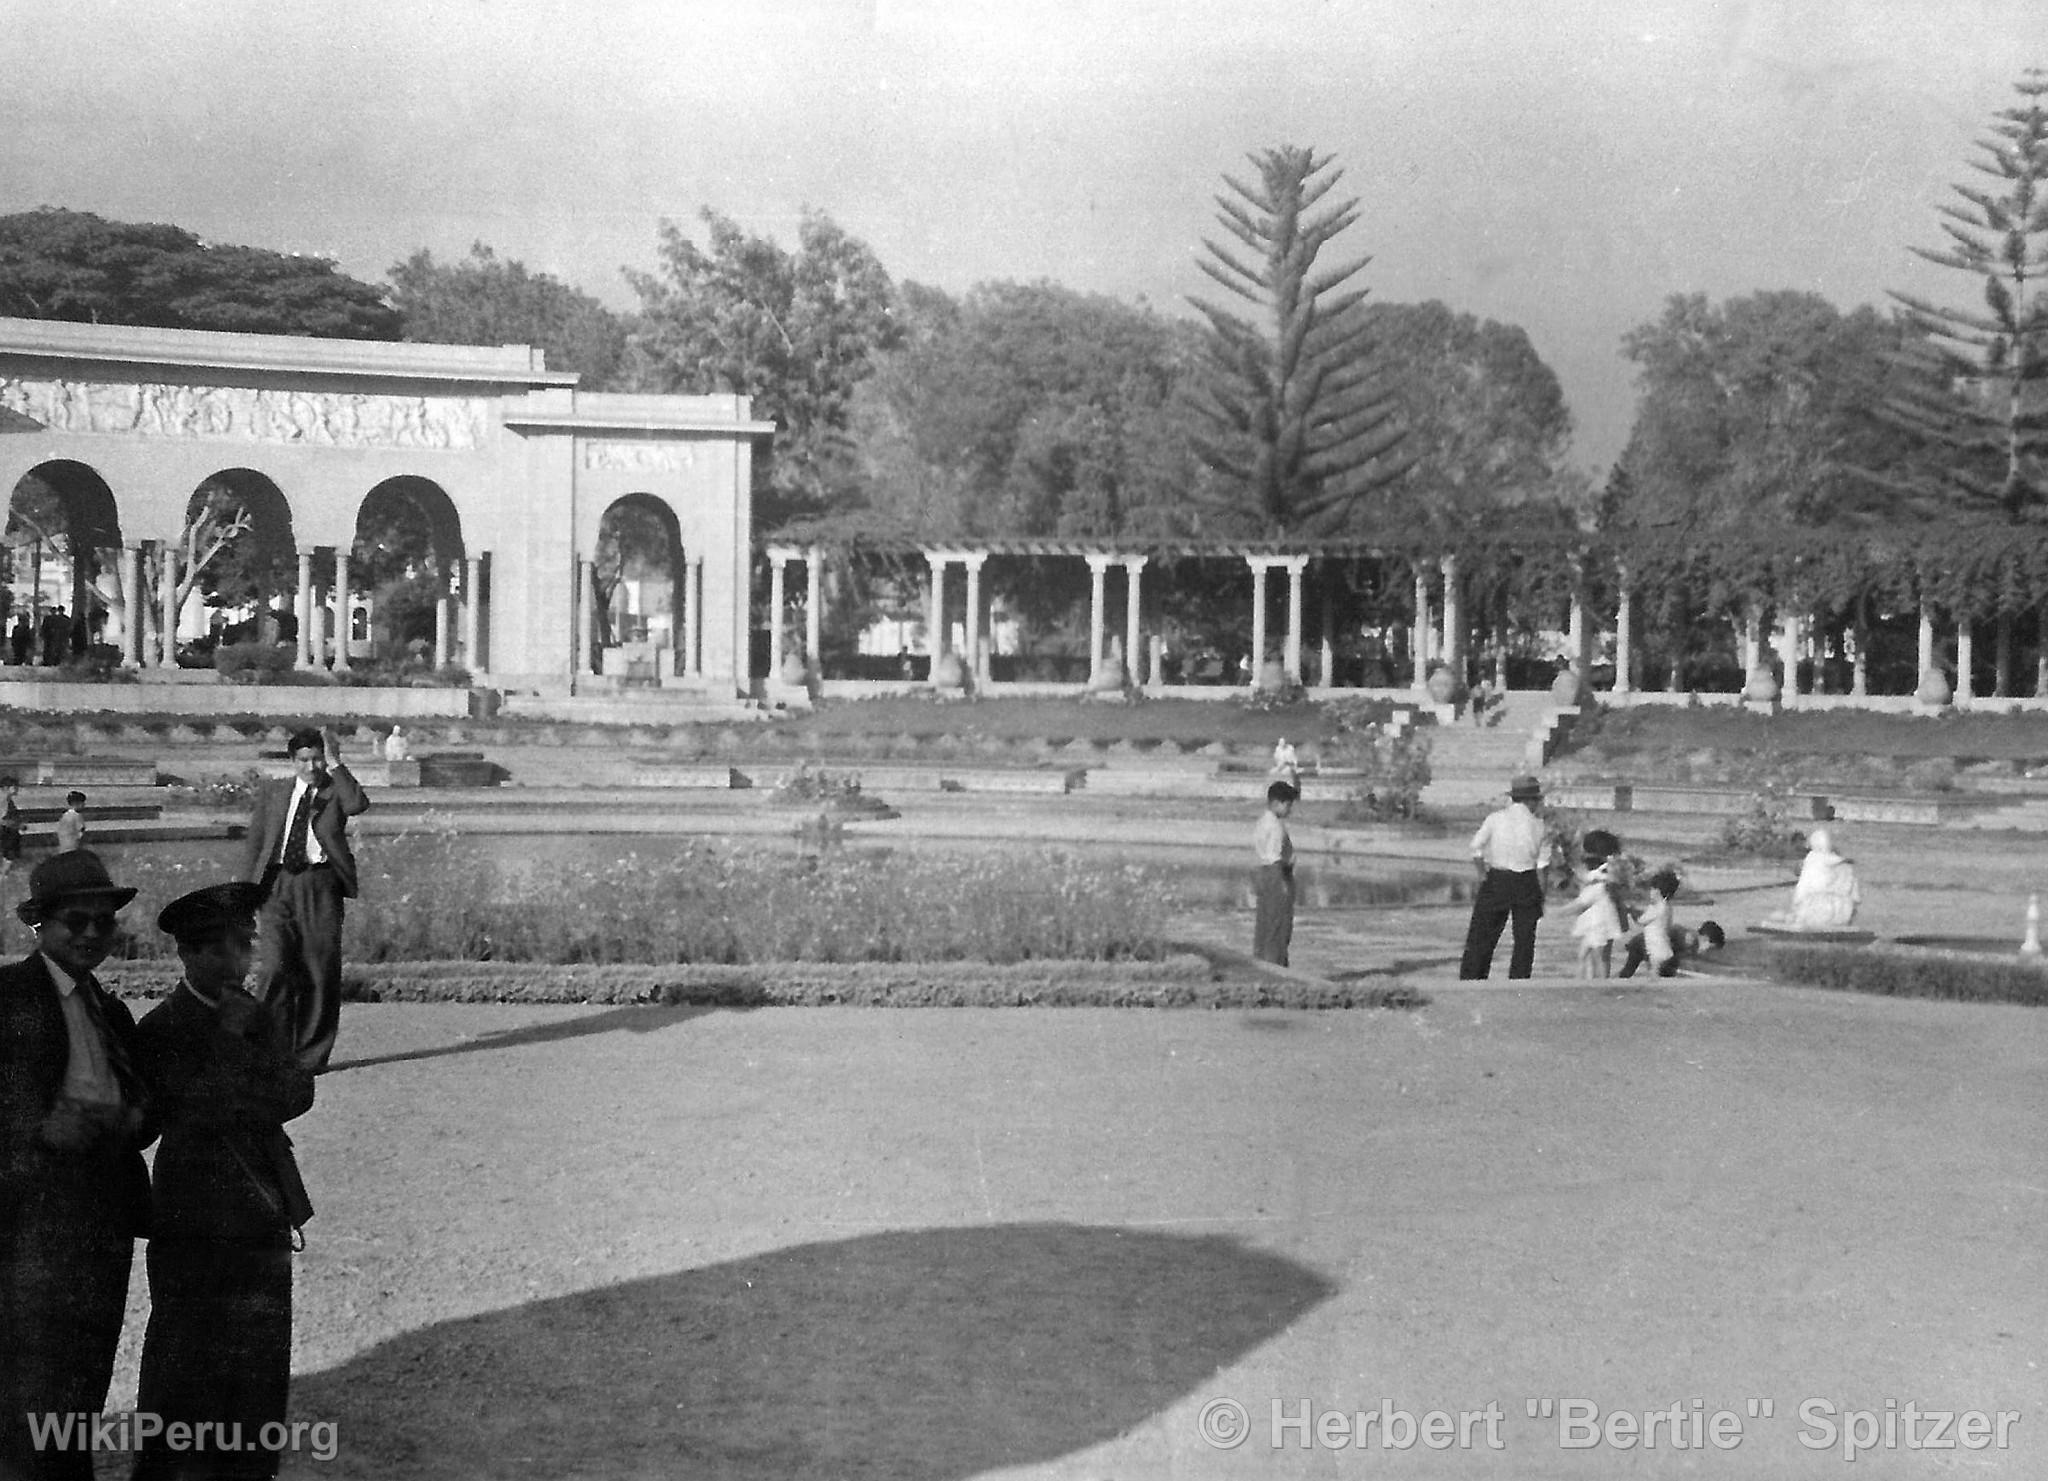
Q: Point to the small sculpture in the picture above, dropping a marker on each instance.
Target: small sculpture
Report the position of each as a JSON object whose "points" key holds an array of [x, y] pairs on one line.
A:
{"points": [[1826, 896]]}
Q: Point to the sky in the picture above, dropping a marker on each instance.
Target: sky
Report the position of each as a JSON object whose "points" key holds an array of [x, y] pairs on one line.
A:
{"points": [[1561, 165]]}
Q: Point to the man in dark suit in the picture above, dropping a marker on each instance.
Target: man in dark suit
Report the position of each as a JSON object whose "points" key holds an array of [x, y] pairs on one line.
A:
{"points": [[229, 1200], [299, 853], [74, 1195]]}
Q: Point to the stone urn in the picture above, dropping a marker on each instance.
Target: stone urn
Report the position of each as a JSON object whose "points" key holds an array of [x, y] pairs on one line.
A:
{"points": [[1567, 689], [1761, 687], [1933, 691], [1108, 677], [948, 673], [795, 671], [1272, 675], [1444, 685]]}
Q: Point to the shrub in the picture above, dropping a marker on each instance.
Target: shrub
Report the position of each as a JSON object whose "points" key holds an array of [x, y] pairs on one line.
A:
{"points": [[254, 663], [1761, 829], [1902, 974], [223, 793], [1393, 768]]}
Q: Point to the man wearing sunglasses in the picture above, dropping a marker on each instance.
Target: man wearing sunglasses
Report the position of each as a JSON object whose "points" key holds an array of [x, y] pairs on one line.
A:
{"points": [[74, 1195]]}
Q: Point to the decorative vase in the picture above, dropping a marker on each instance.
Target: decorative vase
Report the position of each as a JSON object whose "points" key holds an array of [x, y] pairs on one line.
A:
{"points": [[1933, 690], [1272, 675], [795, 672], [1566, 689], [948, 672], [1108, 677], [1761, 686], [1443, 685]]}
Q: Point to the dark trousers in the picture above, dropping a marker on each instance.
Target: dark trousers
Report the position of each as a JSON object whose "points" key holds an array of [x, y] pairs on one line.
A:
{"points": [[1274, 933], [63, 1293], [219, 1351], [298, 960], [1638, 953], [1503, 896]]}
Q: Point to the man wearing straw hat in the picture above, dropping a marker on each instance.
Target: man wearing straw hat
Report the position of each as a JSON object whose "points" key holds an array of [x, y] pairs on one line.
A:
{"points": [[1508, 851], [74, 1195]]}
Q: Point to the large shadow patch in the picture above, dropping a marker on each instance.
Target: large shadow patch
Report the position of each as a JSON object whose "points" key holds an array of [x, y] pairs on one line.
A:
{"points": [[916, 1355]]}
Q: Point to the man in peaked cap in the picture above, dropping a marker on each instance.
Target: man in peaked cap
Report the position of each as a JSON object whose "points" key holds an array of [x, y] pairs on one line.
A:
{"points": [[299, 852], [74, 1194], [1509, 851], [229, 1201]]}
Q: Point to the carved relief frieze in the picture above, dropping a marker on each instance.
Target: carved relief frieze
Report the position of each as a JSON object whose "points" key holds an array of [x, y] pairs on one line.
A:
{"points": [[250, 414], [636, 456]]}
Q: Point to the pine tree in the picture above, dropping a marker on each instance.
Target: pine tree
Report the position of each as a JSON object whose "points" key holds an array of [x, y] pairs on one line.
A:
{"points": [[1980, 402], [1298, 425]]}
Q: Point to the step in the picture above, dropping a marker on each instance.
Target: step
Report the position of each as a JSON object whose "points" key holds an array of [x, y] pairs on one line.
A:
{"points": [[81, 771]]}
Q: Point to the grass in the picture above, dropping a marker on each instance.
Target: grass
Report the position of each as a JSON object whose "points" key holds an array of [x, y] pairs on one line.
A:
{"points": [[1948, 976], [1158, 720], [1646, 729]]}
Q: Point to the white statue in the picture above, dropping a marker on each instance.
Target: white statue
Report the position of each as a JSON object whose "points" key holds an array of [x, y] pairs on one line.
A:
{"points": [[1826, 896]]}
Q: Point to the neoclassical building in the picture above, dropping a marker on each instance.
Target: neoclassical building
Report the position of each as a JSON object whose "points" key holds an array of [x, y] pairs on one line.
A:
{"points": [[514, 468]]}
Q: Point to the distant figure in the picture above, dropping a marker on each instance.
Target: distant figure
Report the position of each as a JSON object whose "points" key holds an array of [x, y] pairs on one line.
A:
{"points": [[22, 641], [56, 636], [396, 746], [1273, 878], [1509, 851], [905, 669], [71, 826], [10, 824], [1826, 896], [1481, 700], [1286, 765]]}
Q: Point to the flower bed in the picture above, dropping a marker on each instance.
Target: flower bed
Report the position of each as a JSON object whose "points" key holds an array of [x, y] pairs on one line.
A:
{"points": [[1905, 974]]}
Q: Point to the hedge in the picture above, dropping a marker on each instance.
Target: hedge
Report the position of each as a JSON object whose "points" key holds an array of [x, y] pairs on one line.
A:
{"points": [[1911, 974], [1186, 981]]}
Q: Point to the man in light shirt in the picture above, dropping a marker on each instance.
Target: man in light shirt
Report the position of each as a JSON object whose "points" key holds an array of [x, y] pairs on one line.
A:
{"points": [[299, 853], [1509, 849], [74, 1195], [1273, 879]]}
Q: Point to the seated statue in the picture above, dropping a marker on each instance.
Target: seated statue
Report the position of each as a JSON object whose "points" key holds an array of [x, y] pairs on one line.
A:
{"points": [[1826, 896]]}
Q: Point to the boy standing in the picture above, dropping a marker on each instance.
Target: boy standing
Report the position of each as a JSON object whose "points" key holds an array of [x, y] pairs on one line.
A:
{"points": [[10, 824], [71, 826], [228, 1198], [1273, 879]]}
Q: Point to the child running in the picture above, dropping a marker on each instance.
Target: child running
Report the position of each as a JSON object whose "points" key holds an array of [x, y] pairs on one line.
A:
{"points": [[1597, 907]]}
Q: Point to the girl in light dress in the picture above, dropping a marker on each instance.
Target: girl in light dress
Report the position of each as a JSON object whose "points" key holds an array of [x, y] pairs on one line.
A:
{"points": [[1598, 906]]}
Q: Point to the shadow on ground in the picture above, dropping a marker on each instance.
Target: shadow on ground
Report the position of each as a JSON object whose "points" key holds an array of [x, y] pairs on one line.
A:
{"points": [[918, 1355], [633, 1018]]}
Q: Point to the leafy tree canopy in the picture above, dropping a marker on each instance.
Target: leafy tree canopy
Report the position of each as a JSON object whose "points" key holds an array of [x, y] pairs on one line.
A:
{"points": [[57, 264], [487, 300]]}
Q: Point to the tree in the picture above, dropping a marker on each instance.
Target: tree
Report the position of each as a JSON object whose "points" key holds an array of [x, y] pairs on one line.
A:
{"points": [[1978, 400], [485, 300], [794, 331], [57, 264], [1297, 426]]}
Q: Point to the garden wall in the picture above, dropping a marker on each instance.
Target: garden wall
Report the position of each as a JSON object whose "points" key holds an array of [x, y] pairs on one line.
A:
{"points": [[146, 697]]}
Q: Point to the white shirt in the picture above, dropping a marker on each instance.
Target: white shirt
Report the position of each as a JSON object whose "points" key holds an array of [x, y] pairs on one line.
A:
{"points": [[89, 1072], [1510, 839], [314, 853], [1270, 842]]}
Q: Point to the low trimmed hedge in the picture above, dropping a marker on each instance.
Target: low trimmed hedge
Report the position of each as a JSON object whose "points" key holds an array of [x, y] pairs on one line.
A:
{"points": [[1178, 982], [1911, 974]]}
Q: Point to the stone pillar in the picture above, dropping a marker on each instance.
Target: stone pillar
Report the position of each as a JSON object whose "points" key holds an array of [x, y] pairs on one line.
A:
{"points": [[1578, 638], [131, 602], [2001, 682], [1292, 662], [776, 596], [1097, 566], [1133, 568], [1258, 565], [444, 630], [342, 600], [1752, 639], [1327, 669], [1454, 622], [167, 596], [974, 661], [302, 604], [587, 659], [1859, 658], [814, 611], [1788, 651], [935, 608], [1926, 641], [1418, 645], [472, 614], [1624, 633], [1966, 659]]}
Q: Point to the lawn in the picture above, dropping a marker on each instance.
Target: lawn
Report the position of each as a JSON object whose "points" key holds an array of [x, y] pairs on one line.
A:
{"points": [[1187, 722], [647, 1242], [1965, 737]]}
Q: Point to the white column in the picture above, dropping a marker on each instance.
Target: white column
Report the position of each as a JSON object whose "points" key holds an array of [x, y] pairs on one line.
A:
{"points": [[472, 614], [935, 609], [1926, 641], [131, 602], [814, 611], [342, 601], [1788, 651], [167, 596], [1966, 659], [1326, 671], [586, 618], [1258, 565], [693, 616], [975, 659], [1133, 568], [1624, 633], [302, 604], [1575, 632], [1859, 660], [1097, 565], [444, 630], [1454, 620], [1419, 645], [1293, 660], [776, 596]]}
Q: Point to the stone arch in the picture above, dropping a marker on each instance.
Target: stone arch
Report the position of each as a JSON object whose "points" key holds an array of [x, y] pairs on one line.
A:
{"points": [[61, 500], [640, 563], [253, 569], [406, 560]]}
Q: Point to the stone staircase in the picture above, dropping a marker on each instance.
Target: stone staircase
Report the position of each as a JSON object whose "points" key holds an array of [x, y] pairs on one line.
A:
{"points": [[1470, 765]]}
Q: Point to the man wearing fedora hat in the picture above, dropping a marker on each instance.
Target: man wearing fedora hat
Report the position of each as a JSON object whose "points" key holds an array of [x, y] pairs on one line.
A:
{"points": [[74, 1195], [299, 853], [1509, 850], [229, 1199]]}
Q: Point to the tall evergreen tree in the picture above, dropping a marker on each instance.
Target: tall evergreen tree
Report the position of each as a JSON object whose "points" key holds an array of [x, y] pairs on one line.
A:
{"points": [[1298, 426], [1980, 403]]}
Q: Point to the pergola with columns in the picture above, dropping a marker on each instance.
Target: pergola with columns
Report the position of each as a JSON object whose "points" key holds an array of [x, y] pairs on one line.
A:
{"points": [[512, 466]]}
